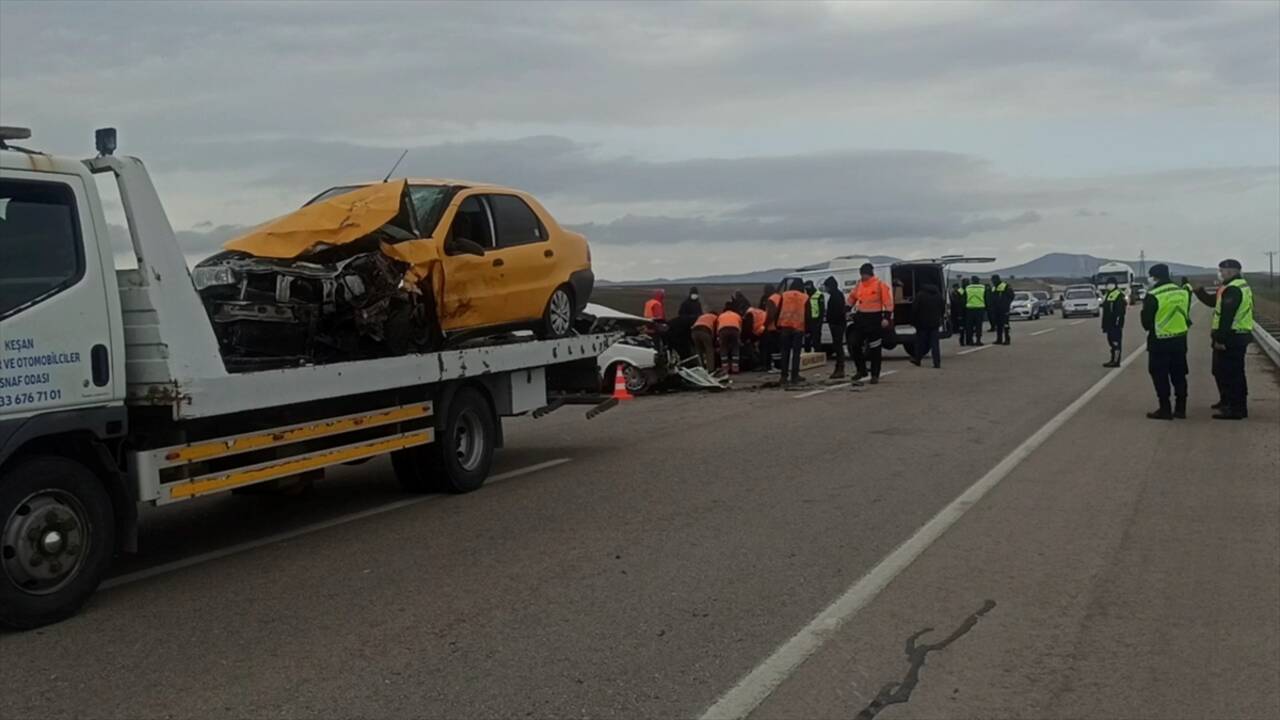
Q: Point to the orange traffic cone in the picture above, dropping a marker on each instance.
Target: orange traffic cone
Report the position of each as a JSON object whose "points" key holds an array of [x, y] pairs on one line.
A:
{"points": [[620, 391]]}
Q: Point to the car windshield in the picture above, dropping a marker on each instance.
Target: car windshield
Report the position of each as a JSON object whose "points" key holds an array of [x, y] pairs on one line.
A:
{"points": [[1021, 297], [1079, 294], [429, 202]]}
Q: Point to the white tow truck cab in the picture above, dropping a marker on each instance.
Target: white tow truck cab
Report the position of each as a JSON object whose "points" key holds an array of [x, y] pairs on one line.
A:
{"points": [[113, 391]]}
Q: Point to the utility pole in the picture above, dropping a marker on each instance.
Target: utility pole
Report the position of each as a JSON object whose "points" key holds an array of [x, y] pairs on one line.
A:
{"points": [[1271, 266]]}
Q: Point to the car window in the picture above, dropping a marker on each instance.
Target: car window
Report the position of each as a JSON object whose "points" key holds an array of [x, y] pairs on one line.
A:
{"points": [[40, 249], [515, 222], [471, 222], [1079, 294]]}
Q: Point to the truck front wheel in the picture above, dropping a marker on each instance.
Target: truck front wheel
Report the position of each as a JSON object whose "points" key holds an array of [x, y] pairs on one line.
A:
{"points": [[56, 542], [459, 459]]}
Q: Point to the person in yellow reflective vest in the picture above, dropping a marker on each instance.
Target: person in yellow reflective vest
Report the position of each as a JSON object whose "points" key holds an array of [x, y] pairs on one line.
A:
{"points": [[1114, 305], [1231, 331], [1166, 318], [975, 308]]}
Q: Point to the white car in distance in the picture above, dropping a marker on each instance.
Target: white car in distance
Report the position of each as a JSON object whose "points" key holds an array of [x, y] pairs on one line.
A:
{"points": [[1081, 301]]}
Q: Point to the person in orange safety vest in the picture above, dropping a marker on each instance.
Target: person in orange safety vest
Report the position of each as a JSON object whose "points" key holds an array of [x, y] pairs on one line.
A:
{"points": [[872, 303], [770, 302], [729, 325], [704, 339], [792, 311], [654, 308]]}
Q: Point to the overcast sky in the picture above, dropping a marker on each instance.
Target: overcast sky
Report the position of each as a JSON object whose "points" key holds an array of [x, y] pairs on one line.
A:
{"points": [[688, 139]]}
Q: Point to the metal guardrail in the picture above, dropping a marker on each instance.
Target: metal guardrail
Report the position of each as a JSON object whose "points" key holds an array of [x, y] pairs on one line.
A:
{"points": [[1267, 342]]}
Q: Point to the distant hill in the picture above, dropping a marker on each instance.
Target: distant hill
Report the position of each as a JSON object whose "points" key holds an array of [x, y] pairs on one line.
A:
{"points": [[748, 278], [1067, 265]]}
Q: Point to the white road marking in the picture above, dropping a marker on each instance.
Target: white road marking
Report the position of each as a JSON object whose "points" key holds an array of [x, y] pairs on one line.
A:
{"points": [[837, 386], [1041, 332], [974, 349], [1076, 322], [306, 530], [758, 684]]}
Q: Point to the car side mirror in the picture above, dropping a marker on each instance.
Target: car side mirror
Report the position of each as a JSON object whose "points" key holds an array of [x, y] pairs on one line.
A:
{"points": [[463, 246]]}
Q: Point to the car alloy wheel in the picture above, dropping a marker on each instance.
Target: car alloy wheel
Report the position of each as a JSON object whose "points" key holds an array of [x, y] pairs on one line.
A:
{"points": [[560, 313]]}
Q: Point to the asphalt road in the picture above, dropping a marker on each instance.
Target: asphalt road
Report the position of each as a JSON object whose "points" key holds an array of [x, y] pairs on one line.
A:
{"points": [[676, 552]]}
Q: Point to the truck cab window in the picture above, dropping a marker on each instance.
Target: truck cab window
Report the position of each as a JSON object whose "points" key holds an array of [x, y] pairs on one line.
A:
{"points": [[40, 250]]}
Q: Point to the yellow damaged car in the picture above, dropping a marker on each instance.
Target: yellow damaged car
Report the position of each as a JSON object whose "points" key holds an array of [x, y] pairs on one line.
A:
{"points": [[393, 267]]}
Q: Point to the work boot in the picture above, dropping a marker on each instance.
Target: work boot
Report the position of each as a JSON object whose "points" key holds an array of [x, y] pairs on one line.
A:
{"points": [[1229, 413], [1164, 413], [875, 380], [859, 376], [838, 374], [915, 361], [1218, 405], [1180, 408]]}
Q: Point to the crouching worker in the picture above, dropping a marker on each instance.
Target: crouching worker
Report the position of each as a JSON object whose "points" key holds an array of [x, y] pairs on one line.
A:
{"points": [[730, 334], [704, 339]]}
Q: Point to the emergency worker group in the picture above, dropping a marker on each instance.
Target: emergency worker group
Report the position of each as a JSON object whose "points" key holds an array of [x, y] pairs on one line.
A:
{"points": [[786, 322]]}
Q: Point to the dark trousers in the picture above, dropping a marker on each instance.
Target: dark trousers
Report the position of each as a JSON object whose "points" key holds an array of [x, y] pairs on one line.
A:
{"points": [[812, 334], [837, 342], [1114, 338], [1228, 373], [769, 350], [927, 341], [973, 325], [865, 340], [792, 342], [705, 345], [730, 345], [1168, 369], [957, 326], [1000, 320]]}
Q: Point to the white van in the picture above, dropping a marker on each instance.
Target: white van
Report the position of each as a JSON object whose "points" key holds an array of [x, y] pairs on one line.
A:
{"points": [[904, 277]]}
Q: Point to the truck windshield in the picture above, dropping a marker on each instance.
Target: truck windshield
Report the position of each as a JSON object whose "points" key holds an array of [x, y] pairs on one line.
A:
{"points": [[39, 242]]}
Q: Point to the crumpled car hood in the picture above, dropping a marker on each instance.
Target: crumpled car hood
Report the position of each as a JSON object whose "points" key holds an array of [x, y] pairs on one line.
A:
{"points": [[339, 220]]}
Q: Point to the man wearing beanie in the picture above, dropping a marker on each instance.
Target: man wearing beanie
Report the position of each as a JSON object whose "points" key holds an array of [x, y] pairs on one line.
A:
{"points": [[1231, 332], [1166, 318]]}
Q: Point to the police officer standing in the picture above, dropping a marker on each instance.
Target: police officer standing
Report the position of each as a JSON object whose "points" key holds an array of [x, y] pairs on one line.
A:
{"points": [[1166, 318], [1001, 302], [1231, 331], [1114, 306], [975, 306]]}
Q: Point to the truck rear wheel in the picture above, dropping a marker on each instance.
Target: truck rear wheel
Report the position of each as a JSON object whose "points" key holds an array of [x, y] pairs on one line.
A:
{"points": [[462, 454], [56, 542]]}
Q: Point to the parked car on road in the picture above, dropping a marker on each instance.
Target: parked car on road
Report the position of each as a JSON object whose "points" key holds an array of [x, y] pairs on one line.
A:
{"points": [[1025, 307], [1045, 301], [1080, 301]]}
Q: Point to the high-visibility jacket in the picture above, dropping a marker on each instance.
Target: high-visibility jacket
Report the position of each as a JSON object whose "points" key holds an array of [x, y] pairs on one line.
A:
{"points": [[758, 319], [1243, 322], [654, 310], [975, 297], [1173, 311], [1115, 295], [1002, 286], [706, 320], [871, 296], [793, 307], [776, 299], [817, 301], [729, 319]]}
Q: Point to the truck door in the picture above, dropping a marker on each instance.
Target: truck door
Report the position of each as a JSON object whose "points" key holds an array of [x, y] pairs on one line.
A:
{"points": [[55, 327]]}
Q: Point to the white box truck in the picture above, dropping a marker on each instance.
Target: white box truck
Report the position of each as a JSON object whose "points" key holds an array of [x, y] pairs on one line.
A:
{"points": [[113, 391]]}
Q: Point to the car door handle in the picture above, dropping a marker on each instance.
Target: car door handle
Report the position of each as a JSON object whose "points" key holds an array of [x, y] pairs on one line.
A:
{"points": [[548, 253], [498, 263], [100, 364]]}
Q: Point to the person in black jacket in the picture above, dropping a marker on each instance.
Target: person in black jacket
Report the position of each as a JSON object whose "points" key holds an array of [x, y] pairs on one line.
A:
{"points": [[1166, 356], [837, 319], [1113, 309], [927, 310], [957, 312], [692, 306], [1231, 333]]}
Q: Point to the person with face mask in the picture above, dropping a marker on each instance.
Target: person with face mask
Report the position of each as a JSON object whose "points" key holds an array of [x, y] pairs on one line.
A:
{"points": [[691, 306], [1113, 309], [1165, 317], [1231, 332]]}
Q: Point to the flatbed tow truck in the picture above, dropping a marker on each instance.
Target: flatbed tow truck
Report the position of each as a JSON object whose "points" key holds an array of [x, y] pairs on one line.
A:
{"points": [[113, 391]]}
